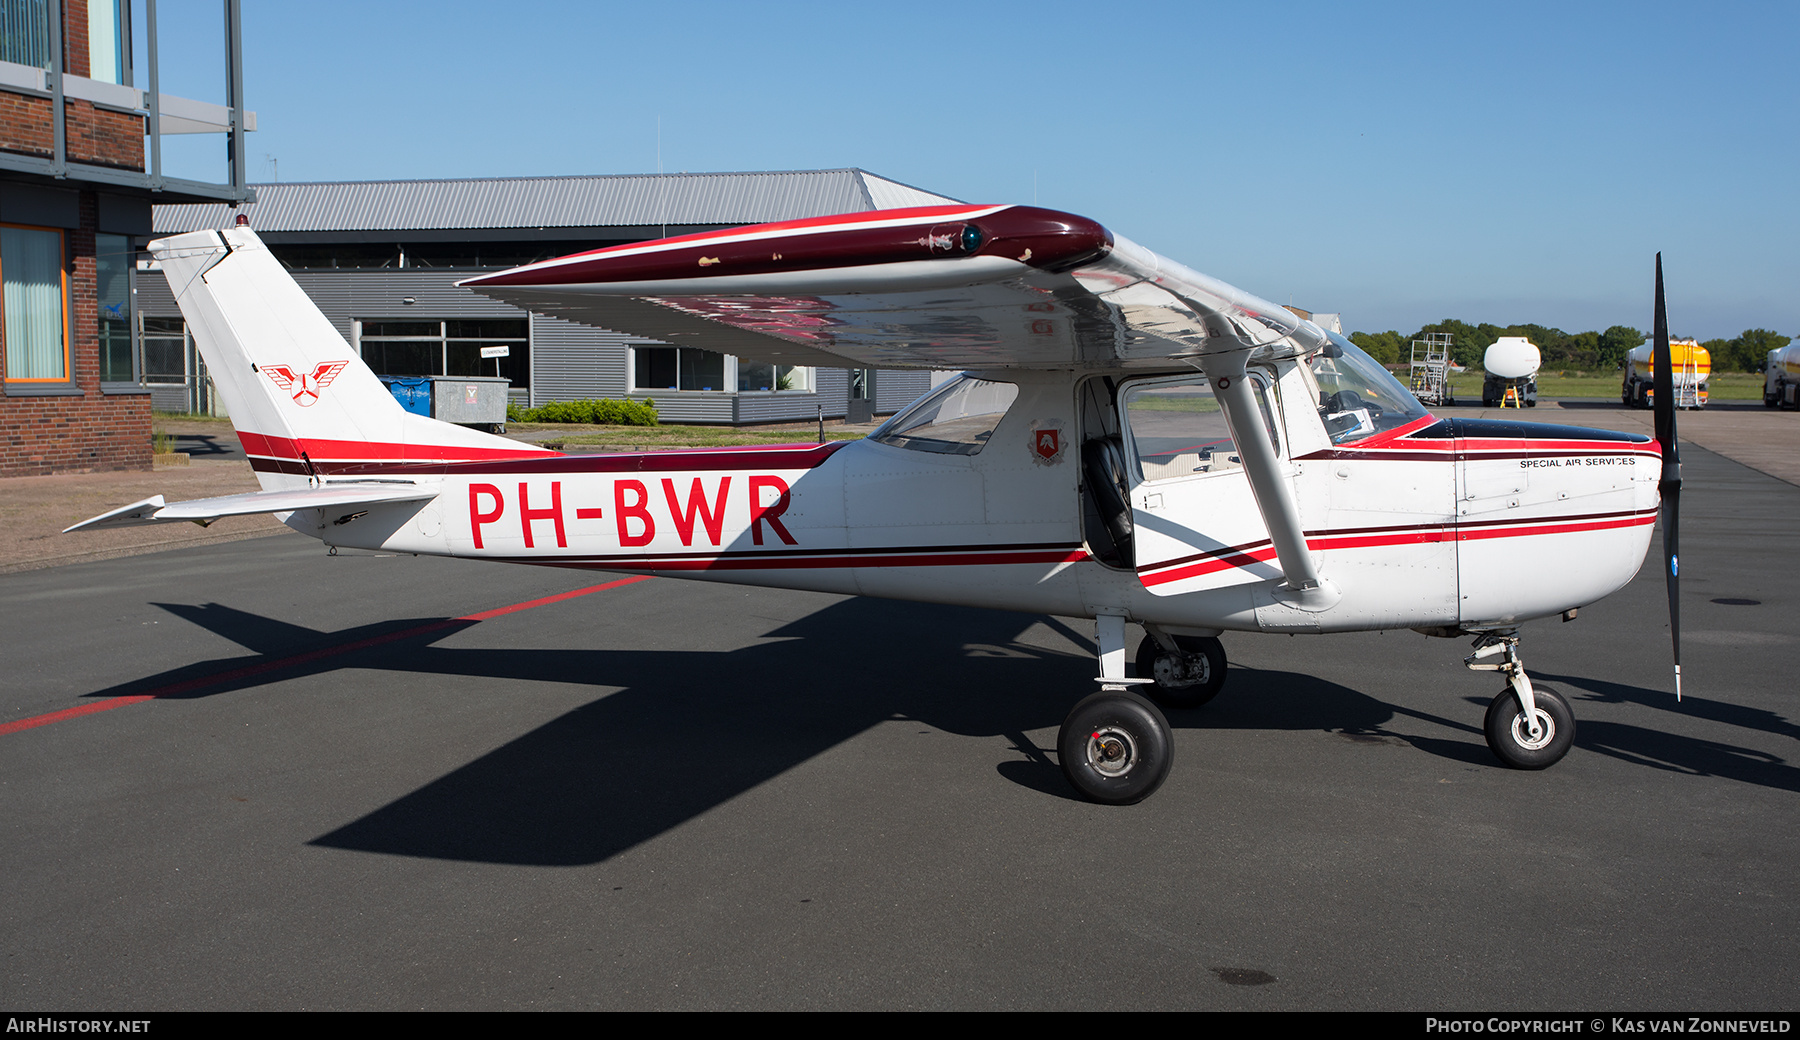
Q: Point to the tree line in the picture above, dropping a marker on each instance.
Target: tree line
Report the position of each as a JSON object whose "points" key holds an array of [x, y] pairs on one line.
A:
{"points": [[1586, 351]]}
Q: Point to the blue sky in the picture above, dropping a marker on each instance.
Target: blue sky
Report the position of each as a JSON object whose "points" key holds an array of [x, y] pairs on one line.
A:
{"points": [[1399, 163]]}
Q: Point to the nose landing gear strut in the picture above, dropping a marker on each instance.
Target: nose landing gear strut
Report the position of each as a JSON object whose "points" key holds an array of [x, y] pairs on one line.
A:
{"points": [[1527, 727]]}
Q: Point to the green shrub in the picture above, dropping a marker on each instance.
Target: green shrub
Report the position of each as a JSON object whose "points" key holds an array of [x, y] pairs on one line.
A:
{"points": [[593, 413]]}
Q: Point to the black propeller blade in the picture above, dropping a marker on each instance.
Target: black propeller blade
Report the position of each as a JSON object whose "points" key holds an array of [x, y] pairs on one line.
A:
{"points": [[1663, 382]]}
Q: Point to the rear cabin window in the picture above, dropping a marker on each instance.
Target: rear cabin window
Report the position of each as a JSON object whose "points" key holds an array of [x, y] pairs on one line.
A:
{"points": [[955, 419]]}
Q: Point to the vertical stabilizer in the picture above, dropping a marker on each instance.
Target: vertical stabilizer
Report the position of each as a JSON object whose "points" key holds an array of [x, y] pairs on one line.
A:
{"points": [[303, 402]]}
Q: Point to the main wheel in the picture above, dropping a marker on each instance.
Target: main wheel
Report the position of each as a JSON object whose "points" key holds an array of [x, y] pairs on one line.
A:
{"points": [[1115, 748], [1185, 680], [1510, 738]]}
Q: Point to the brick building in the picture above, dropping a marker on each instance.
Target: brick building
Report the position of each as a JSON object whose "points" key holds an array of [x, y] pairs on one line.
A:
{"points": [[75, 205]]}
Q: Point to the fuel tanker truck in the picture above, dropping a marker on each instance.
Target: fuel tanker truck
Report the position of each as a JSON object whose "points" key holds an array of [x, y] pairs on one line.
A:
{"points": [[1511, 364], [1692, 366], [1781, 377]]}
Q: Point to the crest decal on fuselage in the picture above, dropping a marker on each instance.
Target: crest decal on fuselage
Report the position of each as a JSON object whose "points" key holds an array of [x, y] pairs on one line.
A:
{"points": [[1048, 441]]}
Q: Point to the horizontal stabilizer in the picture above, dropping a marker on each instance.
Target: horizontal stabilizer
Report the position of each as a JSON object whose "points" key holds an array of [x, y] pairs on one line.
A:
{"points": [[204, 511]]}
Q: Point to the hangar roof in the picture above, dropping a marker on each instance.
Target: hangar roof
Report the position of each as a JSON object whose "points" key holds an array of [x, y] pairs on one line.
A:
{"points": [[619, 200]]}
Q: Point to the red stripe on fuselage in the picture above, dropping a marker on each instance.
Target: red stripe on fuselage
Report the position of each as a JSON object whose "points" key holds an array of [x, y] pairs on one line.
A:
{"points": [[364, 452], [368, 458], [802, 559], [1370, 537]]}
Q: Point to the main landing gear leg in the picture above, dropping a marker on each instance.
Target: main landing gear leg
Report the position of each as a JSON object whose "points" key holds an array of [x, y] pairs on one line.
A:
{"points": [[1527, 727], [1115, 746]]}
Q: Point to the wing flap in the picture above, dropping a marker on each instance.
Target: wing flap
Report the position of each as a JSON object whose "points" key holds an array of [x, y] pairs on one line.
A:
{"points": [[203, 511]]}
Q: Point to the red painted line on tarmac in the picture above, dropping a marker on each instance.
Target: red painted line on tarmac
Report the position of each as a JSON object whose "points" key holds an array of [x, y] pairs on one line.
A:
{"points": [[303, 658]]}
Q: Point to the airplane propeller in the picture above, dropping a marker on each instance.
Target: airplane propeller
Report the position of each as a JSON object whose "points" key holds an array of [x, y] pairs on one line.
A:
{"points": [[1670, 485]]}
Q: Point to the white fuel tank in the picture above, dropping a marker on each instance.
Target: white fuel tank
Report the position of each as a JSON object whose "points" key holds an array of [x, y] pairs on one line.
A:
{"points": [[1512, 357]]}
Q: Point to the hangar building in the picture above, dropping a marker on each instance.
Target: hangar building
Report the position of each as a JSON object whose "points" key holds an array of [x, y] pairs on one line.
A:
{"points": [[382, 258]]}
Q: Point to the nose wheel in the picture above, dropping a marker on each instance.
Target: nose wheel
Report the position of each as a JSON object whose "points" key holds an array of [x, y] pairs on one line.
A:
{"points": [[1527, 727], [1510, 735], [1115, 748]]}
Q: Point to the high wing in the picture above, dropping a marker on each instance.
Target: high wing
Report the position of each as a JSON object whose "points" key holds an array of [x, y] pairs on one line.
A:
{"points": [[343, 498], [929, 287]]}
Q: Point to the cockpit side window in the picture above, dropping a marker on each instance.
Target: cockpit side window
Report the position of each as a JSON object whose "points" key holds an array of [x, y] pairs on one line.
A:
{"points": [[1178, 427], [955, 419]]}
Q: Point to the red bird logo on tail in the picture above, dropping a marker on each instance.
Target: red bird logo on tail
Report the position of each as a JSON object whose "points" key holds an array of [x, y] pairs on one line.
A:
{"points": [[309, 385]]}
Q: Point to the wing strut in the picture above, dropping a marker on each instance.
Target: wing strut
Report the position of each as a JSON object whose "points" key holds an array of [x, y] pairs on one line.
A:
{"points": [[1303, 588]]}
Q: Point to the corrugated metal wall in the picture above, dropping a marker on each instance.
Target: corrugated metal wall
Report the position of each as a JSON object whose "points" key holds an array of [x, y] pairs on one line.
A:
{"points": [[788, 407], [895, 390], [615, 200], [572, 362], [376, 295]]}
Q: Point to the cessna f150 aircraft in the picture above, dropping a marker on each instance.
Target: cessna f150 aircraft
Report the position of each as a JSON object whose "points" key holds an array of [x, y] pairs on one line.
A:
{"points": [[1132, 441]]}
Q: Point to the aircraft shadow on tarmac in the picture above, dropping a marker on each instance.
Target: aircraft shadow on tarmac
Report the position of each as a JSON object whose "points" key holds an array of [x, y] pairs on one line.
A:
{"points": [[676, 733], [1660, 750], [208, 446]]}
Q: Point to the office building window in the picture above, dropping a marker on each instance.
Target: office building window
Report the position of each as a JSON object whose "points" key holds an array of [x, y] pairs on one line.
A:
{"points": [[25, 32], [112, 268], [106, 41], [448, 348], [165, 351], [754, 375], [34, 303], [677, 368], [685, 368]]}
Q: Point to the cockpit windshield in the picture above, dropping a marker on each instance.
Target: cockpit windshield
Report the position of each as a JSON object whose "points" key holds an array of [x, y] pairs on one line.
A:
{"points": [[1357, 397]]}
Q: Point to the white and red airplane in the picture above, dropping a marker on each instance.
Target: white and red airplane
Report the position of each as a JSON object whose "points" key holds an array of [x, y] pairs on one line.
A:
{"points": [[1132, 441]]}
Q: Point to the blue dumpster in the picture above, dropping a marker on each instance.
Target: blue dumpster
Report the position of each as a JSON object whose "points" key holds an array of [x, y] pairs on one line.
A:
{"points": [[413, 392]]}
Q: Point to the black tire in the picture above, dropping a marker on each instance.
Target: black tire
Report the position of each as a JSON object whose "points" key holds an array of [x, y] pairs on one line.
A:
{"points": [[1507, 737], [1207, 671], [1115, 748]]}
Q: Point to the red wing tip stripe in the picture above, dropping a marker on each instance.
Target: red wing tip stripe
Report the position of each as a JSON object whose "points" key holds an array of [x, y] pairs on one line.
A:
{"points": [[813, 225]]}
